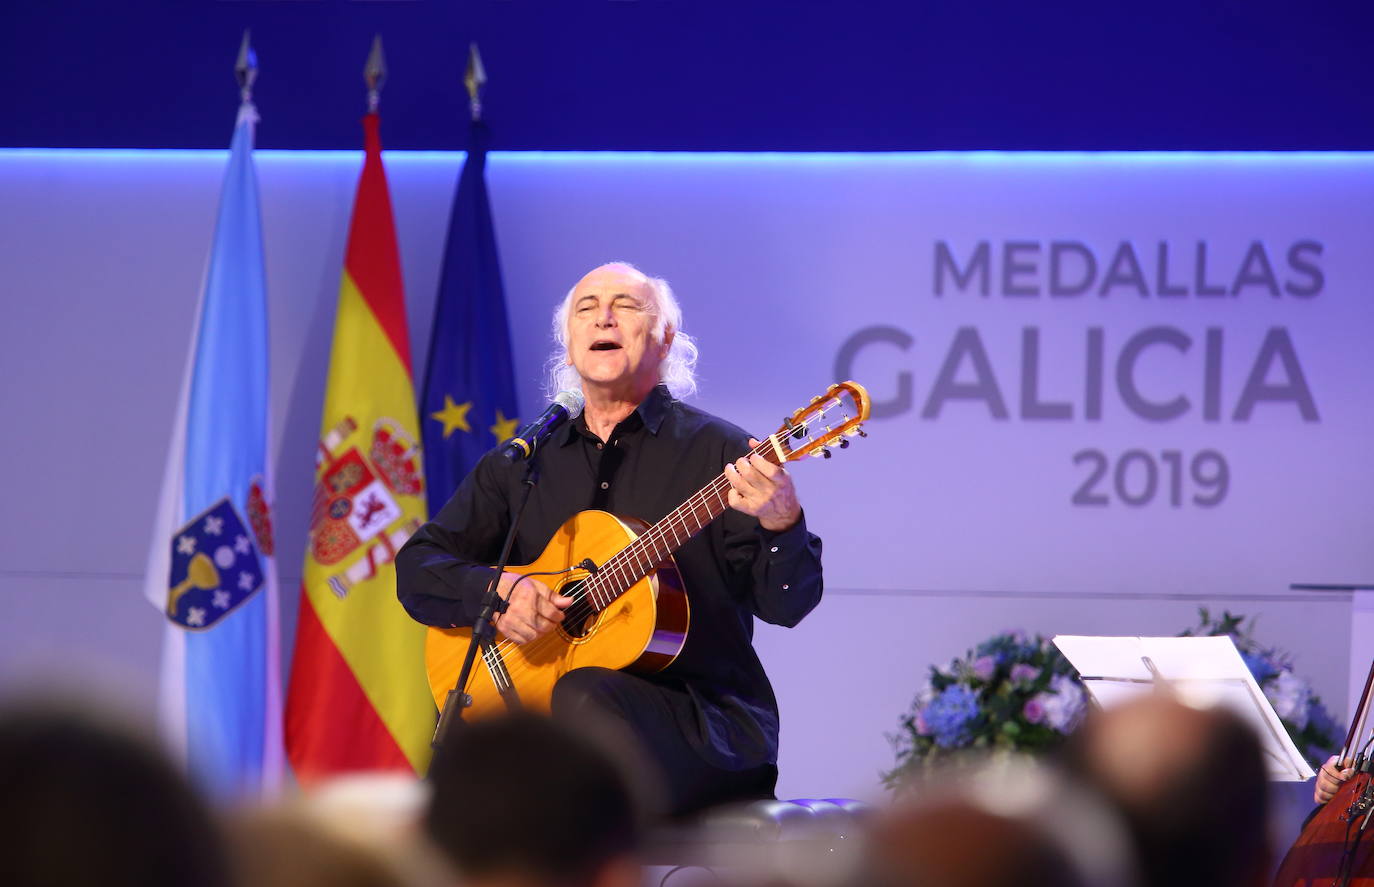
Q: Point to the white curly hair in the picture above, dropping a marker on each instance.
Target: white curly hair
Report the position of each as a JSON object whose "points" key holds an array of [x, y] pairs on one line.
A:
{"points": [[678, 370]]}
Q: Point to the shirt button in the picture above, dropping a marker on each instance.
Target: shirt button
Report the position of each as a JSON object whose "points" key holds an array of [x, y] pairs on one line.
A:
{"points": [[600, 445], [605, 485], [785, 587], [774, 549]]}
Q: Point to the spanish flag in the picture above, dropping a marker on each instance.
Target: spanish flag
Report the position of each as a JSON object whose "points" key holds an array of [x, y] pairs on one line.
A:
{"points": [[358, 698]]}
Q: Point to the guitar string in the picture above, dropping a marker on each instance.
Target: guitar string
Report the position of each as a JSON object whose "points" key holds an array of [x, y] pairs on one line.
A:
{"points": [[658, 532], [495, 657]]}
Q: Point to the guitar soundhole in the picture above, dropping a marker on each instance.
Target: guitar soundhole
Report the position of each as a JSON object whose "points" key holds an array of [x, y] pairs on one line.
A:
{"points": [[580, 618]]}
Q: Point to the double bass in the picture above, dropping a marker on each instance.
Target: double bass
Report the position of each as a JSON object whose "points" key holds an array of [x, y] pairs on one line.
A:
{"points": [[1336, 846]]}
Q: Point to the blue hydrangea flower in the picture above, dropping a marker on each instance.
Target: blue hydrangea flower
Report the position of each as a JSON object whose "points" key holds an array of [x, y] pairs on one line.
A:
{"points": [[950, 715], [1259, 666]]}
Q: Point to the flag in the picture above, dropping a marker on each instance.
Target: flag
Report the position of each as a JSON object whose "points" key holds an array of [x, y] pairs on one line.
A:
{"points": [[210, 567], [358, 697], [469, 396]]}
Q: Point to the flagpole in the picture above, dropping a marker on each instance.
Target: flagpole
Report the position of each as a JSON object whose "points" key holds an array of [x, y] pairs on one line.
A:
{"points": [[483, 628], [211, 569], [273, 760], [358, 698]]}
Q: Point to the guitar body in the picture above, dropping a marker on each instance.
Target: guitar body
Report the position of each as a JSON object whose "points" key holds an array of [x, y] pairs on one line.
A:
{"points": [[630, 609], [641, 630]]}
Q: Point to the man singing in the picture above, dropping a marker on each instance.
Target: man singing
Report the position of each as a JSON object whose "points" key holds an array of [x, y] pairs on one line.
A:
{"points": [[710, 719]]}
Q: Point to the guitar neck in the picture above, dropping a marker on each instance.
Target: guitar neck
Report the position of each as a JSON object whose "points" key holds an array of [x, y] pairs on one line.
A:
{"points": [[642, 556]]}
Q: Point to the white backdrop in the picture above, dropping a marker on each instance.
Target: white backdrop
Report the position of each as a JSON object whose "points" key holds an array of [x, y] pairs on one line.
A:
{"points": [[956, 518]]}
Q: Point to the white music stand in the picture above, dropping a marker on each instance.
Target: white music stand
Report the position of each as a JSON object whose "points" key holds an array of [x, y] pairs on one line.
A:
{"points": [[1201, 672]]}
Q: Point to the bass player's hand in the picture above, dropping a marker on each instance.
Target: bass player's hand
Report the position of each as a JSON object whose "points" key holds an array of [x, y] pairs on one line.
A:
{"points": [[533, 608], [1329, 780]]}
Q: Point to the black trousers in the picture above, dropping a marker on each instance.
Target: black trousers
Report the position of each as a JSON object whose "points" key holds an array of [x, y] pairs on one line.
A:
{"points": [[687, 782]]}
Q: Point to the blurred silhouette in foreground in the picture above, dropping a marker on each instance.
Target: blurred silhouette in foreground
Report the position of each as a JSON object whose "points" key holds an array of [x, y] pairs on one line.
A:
{"points": [[524, 800], [1005, 823], [86, 801], [1190, 784]]}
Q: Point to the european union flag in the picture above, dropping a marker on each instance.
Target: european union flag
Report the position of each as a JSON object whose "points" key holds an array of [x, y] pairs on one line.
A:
{"points": [[468, 404]]}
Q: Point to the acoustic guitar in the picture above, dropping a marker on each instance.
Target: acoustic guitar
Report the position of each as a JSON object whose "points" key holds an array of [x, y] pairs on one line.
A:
{"points": [[629, 607]]}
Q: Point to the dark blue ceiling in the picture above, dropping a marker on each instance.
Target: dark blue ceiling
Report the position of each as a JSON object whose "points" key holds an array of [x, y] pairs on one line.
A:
{"points": [[701, 75]]}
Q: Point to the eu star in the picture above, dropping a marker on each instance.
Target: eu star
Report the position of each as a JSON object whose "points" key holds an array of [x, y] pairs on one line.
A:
{"points": [[504, 429], [453, 415]]}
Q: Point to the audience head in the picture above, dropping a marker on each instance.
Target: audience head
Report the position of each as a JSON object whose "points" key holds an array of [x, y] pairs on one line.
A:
{"points": [[282, 847], [83, 801], [526, 800], [1190, 784], [294, 846], [1008, 822]]}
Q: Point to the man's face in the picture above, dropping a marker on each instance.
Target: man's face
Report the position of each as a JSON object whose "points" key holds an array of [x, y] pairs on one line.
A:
{"points": [[611, 339]]}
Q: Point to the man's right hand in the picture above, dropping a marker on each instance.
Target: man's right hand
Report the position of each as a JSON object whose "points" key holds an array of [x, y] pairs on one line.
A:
{"points": [[533, 609], [1329, 780]]}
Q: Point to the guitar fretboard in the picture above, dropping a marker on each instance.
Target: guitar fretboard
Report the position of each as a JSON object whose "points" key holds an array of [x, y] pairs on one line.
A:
{"points": [[636, 560]]}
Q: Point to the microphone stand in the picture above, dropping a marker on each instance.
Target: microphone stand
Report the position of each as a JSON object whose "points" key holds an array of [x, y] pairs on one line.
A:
{"points": [[482, 629]]}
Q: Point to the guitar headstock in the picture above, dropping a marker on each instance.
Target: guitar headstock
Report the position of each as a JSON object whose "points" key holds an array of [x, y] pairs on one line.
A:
{"points": [[830, 419]]}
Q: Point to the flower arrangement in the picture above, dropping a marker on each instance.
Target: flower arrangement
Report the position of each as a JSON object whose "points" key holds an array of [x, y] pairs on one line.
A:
{"points": [[1015, 693], [1313, 730], [1011, 692]]}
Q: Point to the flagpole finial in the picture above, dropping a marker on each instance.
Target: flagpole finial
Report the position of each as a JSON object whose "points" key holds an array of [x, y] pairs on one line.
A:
{"points": [[374, 74], [246, 68], [474, 79]]}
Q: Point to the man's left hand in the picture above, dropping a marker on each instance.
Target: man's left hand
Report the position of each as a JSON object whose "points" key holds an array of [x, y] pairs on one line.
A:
{"points": [[765, 490]]}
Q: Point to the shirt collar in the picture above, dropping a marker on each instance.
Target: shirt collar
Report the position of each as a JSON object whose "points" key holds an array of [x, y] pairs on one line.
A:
{"points": [[652, 411]]}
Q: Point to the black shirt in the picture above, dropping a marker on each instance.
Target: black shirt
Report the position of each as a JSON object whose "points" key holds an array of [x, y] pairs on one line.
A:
{"points": [[733, 570]]}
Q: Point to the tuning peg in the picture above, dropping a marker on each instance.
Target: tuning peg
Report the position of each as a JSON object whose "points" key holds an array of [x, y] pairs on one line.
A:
{"points": [[844, 443], [859, 430], [823, 452]]}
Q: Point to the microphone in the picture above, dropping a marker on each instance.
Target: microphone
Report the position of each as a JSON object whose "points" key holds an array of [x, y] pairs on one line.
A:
{"points": [[566, 404]]}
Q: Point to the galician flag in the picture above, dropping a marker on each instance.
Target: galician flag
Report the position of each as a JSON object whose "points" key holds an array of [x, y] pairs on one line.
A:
{"points": [[358, 698], [210, 570]]}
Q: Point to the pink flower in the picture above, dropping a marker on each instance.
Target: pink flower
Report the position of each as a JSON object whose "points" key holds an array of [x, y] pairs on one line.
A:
{"points": [[922, 728], [1034, 710], [984, 667], [1022, 672]]}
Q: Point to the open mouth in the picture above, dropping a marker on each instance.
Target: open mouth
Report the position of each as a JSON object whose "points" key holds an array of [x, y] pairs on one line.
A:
{"points": [[605, 346]]}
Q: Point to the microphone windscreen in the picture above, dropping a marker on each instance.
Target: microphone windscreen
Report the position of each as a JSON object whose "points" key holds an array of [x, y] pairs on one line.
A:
{"points": [[571, 399]]}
